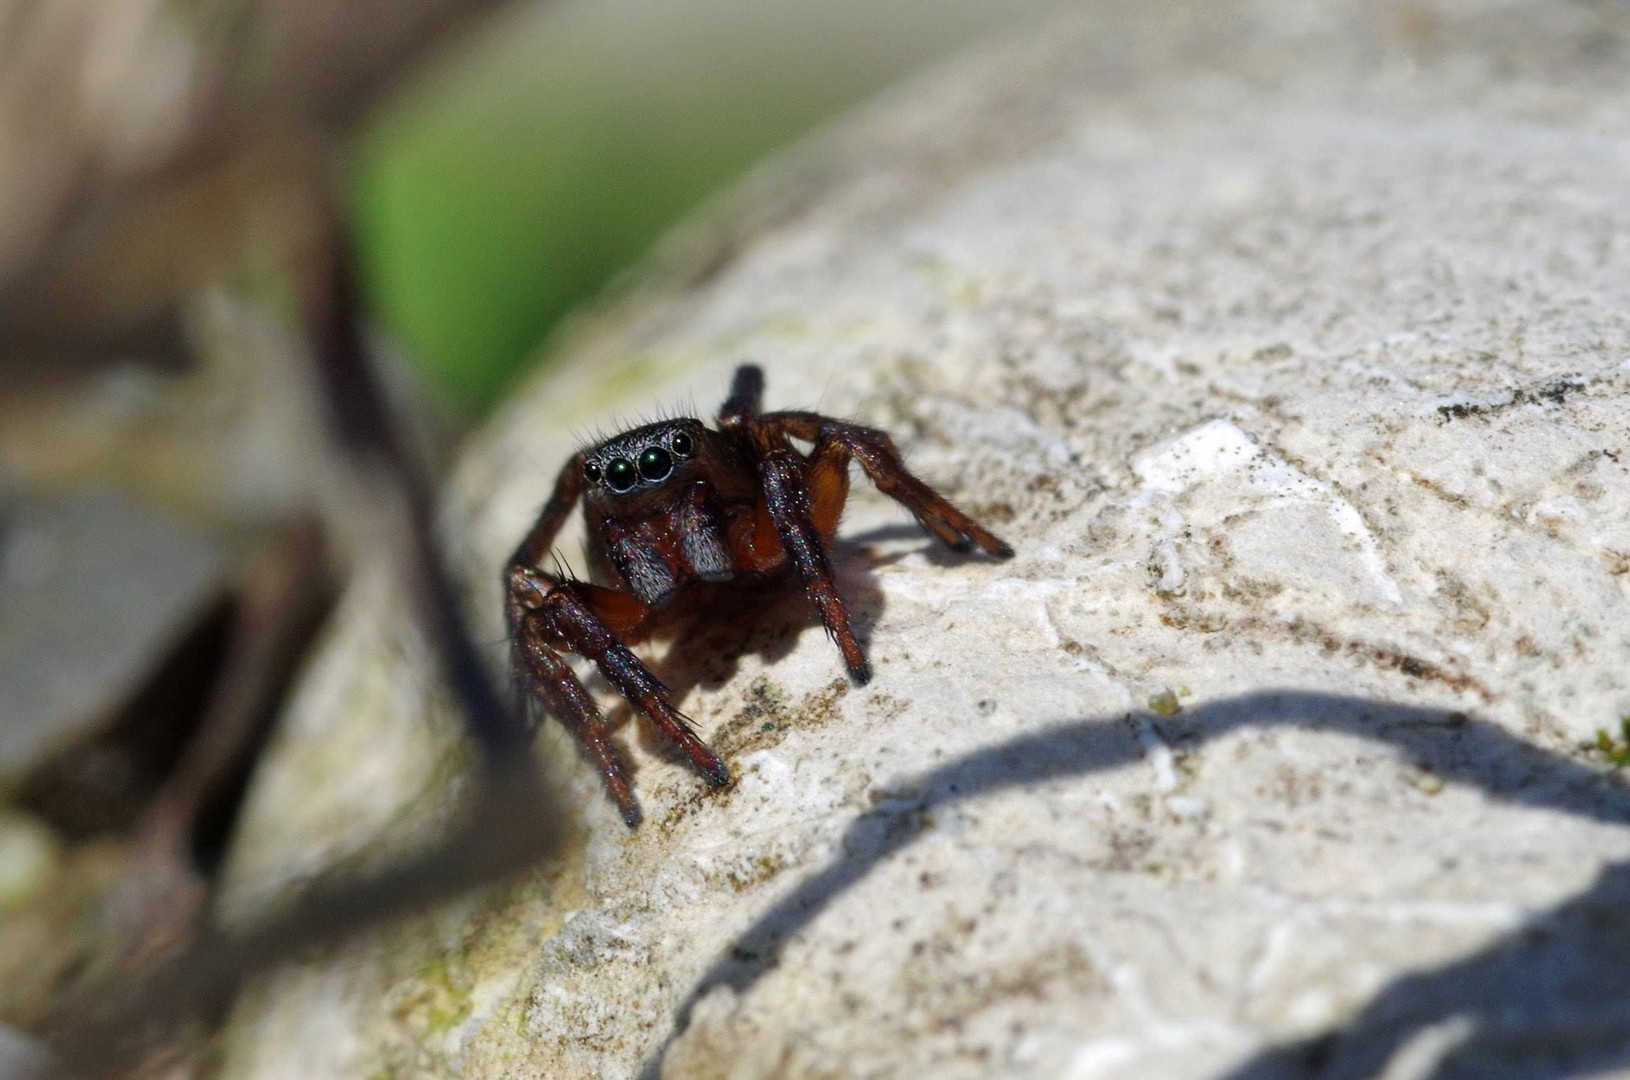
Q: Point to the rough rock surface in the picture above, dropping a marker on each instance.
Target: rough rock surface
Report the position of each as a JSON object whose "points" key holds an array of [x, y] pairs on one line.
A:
{"points": [[1288, 344]]}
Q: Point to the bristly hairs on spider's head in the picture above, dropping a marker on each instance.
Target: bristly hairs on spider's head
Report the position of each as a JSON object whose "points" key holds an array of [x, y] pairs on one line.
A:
{"points": [[662, 413], [588, 437], [600, 433]]}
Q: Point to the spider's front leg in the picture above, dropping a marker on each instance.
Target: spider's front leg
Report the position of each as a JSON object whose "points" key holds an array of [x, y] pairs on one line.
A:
{"points": [[542, 671], [548, 616]]}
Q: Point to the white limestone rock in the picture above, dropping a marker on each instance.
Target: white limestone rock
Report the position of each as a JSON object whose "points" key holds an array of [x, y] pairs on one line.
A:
{"points": [[1290, 346]]}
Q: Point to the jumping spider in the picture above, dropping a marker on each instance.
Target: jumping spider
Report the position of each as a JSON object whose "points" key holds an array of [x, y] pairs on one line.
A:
{"points": [[676, 511]]}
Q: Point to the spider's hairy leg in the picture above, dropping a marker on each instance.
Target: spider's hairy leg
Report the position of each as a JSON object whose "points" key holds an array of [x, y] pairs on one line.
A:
{"points": [[586, 619], [746, 396], [787, 506], [546, 675], [883, 465], [577, 617]]}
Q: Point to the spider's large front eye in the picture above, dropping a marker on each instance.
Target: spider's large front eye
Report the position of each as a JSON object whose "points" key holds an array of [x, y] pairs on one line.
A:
{"points": [[656, 463], [682, 444], [620, 474]]}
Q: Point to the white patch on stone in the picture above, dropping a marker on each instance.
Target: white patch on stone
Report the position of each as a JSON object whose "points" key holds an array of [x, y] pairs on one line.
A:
{"points": [[1179, 463], [1218, 453]]}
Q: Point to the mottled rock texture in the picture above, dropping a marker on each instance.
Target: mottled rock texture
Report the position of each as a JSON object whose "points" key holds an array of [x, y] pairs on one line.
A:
{"points": [[1288, 344]]}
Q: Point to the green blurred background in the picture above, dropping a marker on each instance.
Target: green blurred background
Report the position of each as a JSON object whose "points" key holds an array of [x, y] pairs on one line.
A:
{"points": [[553, 151]]}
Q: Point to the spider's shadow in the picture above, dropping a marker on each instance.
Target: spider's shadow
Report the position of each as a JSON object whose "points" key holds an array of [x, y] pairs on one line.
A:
{"points": [[703, 650], [936, 553]]}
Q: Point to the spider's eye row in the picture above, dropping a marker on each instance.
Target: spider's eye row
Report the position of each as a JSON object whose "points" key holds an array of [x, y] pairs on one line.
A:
{"points": [[620, 474], [682, 444], [656, 463], [591, 472]]}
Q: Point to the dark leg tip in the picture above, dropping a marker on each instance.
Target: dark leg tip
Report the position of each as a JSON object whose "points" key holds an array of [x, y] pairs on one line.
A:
{"points": [[632, 816], [860, 674], [1001, 550], [718, 774]]}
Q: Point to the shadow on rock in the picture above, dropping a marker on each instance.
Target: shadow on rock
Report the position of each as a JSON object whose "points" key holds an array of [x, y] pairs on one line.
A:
{"points": [[1549, 1000], [1513, 992], [763, 619]]}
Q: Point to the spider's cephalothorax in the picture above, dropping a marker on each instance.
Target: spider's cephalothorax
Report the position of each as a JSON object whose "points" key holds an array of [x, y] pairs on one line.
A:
{"points": [[674, 511]]}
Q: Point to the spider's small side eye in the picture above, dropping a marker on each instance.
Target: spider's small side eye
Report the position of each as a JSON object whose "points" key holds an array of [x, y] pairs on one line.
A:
{"points": [[656, 463], [591, 472], [620, 474], [682, 444]]}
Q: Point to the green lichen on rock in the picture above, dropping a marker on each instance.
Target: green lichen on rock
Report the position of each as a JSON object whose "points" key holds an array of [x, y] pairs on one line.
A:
{"points": [[765, 717], [1165, 703], [1615, 748]]}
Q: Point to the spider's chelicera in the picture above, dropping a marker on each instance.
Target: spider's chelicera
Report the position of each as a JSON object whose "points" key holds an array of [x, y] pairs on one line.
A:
{"points": [[675, 511]]}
